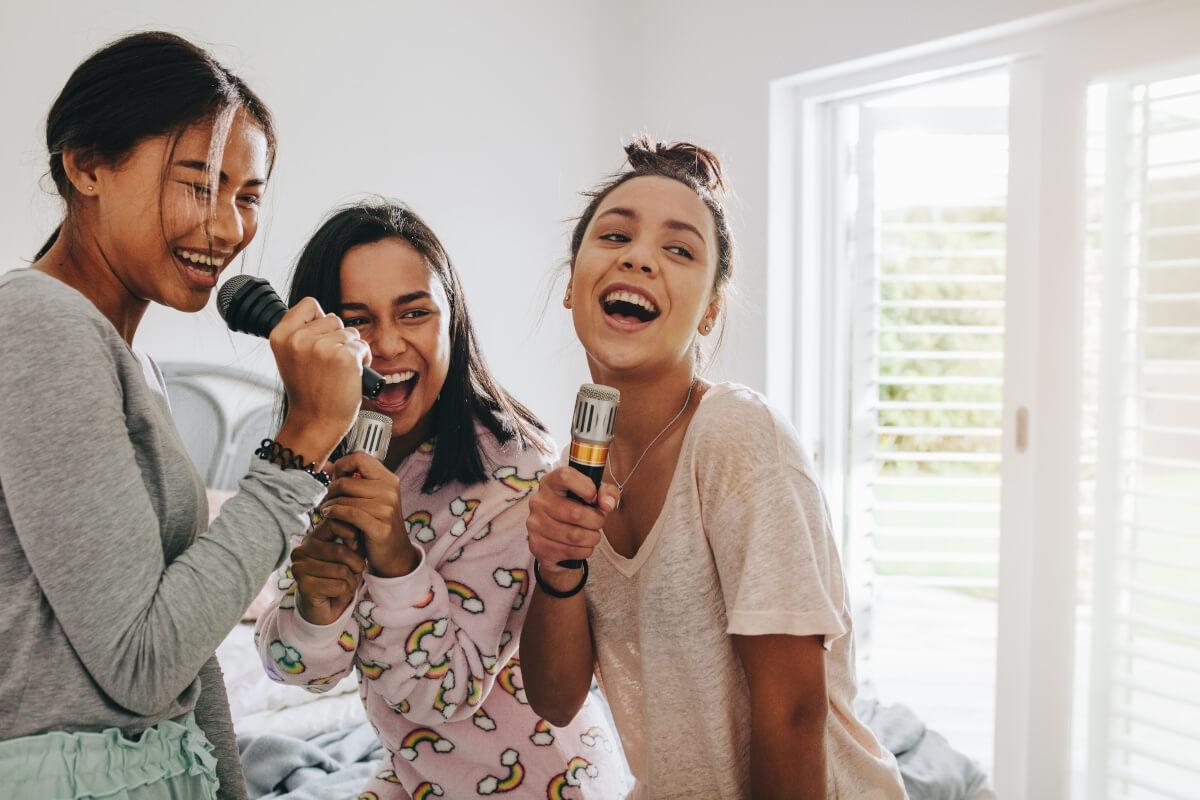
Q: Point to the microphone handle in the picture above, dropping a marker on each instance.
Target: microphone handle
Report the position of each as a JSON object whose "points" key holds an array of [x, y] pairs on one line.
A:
{"points": [[596, 473]]}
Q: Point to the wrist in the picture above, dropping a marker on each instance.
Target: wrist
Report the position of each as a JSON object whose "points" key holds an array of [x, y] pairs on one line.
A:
{"points": [[392, 561], [559, 582], [311, 441]]}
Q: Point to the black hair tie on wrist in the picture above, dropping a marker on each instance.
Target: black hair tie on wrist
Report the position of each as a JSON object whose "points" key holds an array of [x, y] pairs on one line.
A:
{"points": [[273, 451], [550, 590]]}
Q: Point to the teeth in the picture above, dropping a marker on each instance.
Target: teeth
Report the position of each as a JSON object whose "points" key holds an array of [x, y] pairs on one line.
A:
{"points": [[631, 297], [399, 377], [201, 259]]}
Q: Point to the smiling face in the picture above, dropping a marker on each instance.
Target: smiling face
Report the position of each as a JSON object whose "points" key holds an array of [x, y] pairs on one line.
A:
{"points": [[157, 234], [399, 307], [642, 281]]}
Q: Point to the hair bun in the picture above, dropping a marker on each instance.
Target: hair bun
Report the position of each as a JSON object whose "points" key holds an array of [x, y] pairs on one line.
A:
{"points": [[682, 158]]}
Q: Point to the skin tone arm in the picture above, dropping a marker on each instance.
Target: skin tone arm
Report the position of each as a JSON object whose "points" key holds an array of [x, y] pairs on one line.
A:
{"points": [[556, 640], [788, 712]]}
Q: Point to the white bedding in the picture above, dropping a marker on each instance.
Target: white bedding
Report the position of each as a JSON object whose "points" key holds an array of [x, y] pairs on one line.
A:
{"points": [[259, 705]]}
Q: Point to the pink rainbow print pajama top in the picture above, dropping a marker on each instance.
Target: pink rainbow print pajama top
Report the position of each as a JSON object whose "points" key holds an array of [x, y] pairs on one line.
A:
{"points": [[436, 650]]}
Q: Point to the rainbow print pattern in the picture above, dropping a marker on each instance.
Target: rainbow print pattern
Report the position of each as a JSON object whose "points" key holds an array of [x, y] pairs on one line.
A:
{"points": [[388, 775], [427, 790], [370, 628], [367, 796], [595, 737], [577, 769], [507, 578], [474, 691], [400, 708], [483, 721], [323, 684], [438, 671], [372, 670], [471, 602], [418, 526], [439, 698], [516, 773], [425, 599], [287, 585], [287, 658], [510, 478], [420, 736], [416, 654], [346, 641], [508, 681], [465, 511], [543, 734]]}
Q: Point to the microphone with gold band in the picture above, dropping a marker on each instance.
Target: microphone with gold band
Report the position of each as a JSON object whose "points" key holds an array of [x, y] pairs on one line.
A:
{"points": [[588, 454], [592, 429]]}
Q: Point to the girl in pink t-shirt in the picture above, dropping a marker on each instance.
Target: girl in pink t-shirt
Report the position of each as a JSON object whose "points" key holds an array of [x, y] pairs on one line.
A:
{"points": [[716, 615], [418, 573]]}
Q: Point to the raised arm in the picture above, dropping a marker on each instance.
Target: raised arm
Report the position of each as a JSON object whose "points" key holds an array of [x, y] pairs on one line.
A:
{"points": [[556, 641]]}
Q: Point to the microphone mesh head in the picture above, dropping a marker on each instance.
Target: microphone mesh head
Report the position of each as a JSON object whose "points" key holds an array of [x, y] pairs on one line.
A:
{"points": [[371, 434], [227, 292], [595, 416]]}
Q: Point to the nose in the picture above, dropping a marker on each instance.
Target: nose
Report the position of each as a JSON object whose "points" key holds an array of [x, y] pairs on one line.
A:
{"points": [[389, 342], [226, 226], [638, 259]]}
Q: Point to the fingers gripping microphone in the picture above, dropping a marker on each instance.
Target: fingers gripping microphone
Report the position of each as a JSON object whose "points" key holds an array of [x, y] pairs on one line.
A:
{"points": [[591, 432], [249, 305]]}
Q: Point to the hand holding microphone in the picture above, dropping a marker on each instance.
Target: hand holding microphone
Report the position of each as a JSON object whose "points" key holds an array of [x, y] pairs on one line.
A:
{"points": [[569, 507], [365, 497], [320, 362]]}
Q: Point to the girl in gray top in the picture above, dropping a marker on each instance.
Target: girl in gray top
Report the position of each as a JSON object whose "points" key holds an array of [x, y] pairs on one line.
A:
{"points": [[116, 590]]}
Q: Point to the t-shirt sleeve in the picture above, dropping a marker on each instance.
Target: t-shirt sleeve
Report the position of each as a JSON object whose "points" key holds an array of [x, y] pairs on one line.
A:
{"points": [[776, 559]]}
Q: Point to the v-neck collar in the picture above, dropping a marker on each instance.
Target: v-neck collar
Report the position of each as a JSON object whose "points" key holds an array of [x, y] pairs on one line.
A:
{"points": [[630, 566]]}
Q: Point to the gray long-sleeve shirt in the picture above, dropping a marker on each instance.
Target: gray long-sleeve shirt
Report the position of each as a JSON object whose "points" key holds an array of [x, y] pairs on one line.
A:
{"points": [[115, 593]]}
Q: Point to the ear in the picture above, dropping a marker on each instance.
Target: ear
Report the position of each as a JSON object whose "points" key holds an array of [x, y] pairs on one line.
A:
{"points": [[567, 296], [80, 167], [711, 315]]}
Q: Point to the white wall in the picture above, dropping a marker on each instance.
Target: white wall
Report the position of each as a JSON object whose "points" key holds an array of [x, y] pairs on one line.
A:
{"points": [[487, 117], [483, 116]]}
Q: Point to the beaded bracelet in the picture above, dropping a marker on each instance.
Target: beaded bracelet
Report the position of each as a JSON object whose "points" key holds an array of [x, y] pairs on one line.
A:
{"points": [[550, 590], [273, 451]]}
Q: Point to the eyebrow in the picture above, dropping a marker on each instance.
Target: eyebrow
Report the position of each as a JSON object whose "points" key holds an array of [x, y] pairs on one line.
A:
{"points": [[203, 167], [402, 300], [672, 224]]}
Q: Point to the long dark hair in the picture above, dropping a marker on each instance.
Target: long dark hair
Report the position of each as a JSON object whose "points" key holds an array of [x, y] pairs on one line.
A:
{"points": [[470, 393], [144, 85]]}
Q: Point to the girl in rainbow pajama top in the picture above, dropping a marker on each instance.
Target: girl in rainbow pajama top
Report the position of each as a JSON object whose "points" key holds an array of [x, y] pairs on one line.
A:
{"points": [[435, 647]]}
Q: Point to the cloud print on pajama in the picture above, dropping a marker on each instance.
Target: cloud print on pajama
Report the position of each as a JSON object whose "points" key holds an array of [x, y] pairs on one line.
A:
{"points": [[435, 650]]}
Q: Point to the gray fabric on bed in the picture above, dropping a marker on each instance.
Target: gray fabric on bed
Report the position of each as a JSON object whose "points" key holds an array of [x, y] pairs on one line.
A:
{"points": [[931, 768], [332, 766], [337, 765]]}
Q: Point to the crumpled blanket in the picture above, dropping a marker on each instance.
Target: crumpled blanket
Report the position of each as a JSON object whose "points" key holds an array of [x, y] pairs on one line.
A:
{"points": [[331, 766], [931, 768]]}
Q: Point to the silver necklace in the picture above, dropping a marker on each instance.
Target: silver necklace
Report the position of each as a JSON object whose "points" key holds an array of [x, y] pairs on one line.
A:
{"points": [[611, 469]]}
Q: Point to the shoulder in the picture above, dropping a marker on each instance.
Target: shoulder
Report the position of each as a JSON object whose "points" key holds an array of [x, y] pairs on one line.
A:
{"points": [[738, 433], [39, 314], [512, 467], [33, 300]]}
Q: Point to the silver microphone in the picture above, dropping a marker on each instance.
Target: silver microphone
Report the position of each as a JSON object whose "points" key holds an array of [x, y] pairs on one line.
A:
{"points": [[371, 434]]}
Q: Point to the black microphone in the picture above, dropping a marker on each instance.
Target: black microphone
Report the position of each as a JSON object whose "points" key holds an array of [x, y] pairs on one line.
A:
{"points": [[592, 429], [249, 305]]}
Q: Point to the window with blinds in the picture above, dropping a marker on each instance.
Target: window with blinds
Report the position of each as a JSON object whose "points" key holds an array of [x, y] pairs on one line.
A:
{"points": [[927, 251], [1140, 587]]}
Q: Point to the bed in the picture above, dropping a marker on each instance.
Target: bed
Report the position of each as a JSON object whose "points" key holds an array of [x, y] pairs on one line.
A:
{"points": [[303, 746]]}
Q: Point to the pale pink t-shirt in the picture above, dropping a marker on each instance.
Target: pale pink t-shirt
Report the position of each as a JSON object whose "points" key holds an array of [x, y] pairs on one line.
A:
{"points": [[743, 545]]}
